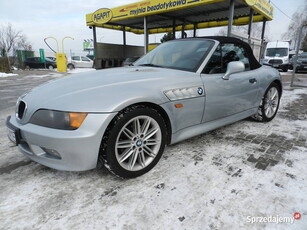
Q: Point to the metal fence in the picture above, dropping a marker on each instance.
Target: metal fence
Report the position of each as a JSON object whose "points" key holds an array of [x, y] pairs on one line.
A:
{"points": [[255, 43]]}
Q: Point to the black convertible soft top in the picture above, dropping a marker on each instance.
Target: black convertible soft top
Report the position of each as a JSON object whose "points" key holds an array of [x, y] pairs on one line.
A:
{"points": [[254, 64]]}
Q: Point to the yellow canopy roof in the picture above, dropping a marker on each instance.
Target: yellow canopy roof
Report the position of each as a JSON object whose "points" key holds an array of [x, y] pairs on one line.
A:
{"points": [[188, 13]]}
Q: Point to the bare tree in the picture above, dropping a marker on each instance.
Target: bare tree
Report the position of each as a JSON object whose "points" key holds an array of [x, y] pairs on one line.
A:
{"points": [[11, 40], [298, 19]]}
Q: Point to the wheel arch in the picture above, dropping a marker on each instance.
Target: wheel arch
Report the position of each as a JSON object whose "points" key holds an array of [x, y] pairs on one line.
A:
{"points": [[278, 82], [158, 108], [101, 158], [164, 115]]}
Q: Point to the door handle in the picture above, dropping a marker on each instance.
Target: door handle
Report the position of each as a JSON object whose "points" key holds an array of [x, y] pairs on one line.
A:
{"points": [[252, 80]]}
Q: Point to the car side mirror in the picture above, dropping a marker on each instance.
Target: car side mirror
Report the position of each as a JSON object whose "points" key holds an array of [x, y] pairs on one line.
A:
{"points": [[233, 67]]}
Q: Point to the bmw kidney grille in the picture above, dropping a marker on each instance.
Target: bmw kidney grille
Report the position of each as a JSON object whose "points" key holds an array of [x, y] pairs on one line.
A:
{"points": [[21, 109]]}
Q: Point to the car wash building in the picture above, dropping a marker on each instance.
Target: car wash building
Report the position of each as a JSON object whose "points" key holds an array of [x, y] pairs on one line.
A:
{"points": [[169, 16]]}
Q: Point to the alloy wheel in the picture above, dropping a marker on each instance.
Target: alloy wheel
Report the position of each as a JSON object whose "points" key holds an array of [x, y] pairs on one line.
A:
{"points": [[138, 143], [271, 102]]}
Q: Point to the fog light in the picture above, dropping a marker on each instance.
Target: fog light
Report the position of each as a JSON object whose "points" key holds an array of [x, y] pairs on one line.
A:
{"points": [[52, 153]]}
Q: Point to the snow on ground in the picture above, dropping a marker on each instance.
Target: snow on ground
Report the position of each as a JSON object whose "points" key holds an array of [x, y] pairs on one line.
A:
{"points": [[201, 183], [59, 74], [44, 75], [80, 70], [7, 74]]}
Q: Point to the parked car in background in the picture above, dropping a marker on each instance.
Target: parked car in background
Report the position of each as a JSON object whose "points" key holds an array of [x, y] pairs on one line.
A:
{"points": [[52, 58], [35, 63], [130, 60], [124, 117], [79, 62], [277, 55], [301, 62]]}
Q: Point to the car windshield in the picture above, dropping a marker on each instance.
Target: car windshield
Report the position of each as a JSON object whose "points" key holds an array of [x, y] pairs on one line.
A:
{"points": [[131, 59], [48, 59], [177, 54], [277, 52], [303, 55]]}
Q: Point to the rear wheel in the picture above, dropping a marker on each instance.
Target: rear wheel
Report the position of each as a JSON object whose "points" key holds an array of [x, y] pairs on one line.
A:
{"points": [[50, 67], [269, 104], [70, 66], [134, 142]]}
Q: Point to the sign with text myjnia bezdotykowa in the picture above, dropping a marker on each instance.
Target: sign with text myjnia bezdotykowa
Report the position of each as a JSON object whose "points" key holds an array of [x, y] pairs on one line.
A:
{"points": [[145, 8]]}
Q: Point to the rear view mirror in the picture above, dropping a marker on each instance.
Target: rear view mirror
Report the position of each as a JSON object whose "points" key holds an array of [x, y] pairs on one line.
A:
{"points": [[233, 67]]}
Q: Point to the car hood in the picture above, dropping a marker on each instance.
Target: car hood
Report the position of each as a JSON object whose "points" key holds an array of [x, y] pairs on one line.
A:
{"points": [[101, 90]]}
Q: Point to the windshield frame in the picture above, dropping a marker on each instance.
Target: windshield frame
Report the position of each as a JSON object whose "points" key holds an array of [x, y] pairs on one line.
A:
{"points": [[193, 70]]}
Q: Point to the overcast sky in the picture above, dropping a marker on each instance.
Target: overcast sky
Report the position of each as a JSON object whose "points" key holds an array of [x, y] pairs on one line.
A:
{"points": [[38, 19]]}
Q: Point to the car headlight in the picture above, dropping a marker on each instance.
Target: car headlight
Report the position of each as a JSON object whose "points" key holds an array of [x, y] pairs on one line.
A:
{"points": [[58, 119]]}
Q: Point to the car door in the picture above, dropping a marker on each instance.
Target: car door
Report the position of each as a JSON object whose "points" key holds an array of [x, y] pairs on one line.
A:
{"points": [[29, 62], [32, 63], [35, 63], [76, 60], [228, 97], [86, 62], [39, 64]]}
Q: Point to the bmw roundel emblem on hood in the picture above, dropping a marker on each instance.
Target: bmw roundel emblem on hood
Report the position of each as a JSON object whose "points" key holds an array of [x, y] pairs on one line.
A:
{"points": [[200, 91]]}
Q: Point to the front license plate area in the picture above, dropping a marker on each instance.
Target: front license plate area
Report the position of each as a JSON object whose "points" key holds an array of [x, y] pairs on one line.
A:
{"points": [[12, 135]]}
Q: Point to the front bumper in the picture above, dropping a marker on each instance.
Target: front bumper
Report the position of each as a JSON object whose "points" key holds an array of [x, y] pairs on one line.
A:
{"points": [[76, 150], [301, 67], [278, 66]]}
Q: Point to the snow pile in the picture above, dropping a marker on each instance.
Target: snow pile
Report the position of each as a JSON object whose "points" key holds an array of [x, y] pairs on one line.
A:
{"points": [[44, 75], [80, 70], [7, 74]]}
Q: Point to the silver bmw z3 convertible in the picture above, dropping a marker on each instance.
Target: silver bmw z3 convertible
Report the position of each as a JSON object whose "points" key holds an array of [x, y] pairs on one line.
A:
{"points": [[123, 117]]}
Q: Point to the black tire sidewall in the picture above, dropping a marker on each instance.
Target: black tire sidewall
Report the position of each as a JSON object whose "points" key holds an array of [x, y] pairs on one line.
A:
{"points": [[110, 150], [265, 118]]}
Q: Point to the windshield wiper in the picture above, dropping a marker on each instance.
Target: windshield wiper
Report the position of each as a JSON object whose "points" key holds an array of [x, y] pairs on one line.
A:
{"points": [[151, 65]]}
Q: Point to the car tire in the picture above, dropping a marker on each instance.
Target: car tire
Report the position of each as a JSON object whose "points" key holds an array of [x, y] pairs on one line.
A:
{"points": [[269, 104], [50, 67], [27, 67], [70, 66], [134, 142]]}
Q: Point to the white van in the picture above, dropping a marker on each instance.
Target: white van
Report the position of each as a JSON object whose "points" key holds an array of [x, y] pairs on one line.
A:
{"points": [[277, 55]]}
